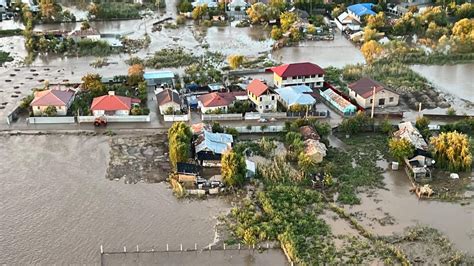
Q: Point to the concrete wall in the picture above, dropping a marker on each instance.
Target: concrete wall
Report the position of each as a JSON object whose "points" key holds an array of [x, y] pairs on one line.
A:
{"points": [[208, 117], [120, 119], [39, 110], [51, 120], [174, 118], [258, 129], [117, 113], [163, 108]]}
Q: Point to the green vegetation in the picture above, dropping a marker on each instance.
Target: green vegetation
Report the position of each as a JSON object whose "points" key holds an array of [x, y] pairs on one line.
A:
{"points": [[5, 57], [50, 111], [288, 214], [85, 47], [359, 122], [179, 139], [171, 57], [11, 32], [113, 10]]}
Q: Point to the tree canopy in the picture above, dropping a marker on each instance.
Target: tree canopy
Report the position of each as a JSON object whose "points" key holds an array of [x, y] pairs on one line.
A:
{"points": [[400, 149], [452, 151], [233, 169], [179, 140]]}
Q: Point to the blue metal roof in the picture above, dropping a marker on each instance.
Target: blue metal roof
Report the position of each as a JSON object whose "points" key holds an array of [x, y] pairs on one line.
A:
{"points": [[362, 9], [215, 142], [158, 75], [296, 95]]}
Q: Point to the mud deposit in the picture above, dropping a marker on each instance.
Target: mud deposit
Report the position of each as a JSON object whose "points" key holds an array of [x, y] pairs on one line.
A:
{"points": [[138, 158]]}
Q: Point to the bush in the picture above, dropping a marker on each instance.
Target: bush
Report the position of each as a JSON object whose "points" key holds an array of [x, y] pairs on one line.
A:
{"points": [[180, 20]]}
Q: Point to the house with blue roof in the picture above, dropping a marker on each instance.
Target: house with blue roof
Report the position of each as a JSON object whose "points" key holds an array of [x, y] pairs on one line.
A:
{"points": [[157, 78], [358, 11], [296, 95], [209, 147]]}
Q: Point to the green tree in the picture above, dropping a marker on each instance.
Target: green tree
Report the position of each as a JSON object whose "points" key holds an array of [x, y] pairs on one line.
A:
{"points": [[277, 4], [465, 10], [338, 10], [48, 9], [233, 169], [386, 127], [400, 149], [295, 34], [179, 140], [85, 25], [422, 124], [185, 6], [50, 111], [436, 14], [235, 61], [370, 34]]}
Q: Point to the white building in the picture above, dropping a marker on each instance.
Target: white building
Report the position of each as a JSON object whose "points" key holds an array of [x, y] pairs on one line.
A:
{"points": [[260, 94]]}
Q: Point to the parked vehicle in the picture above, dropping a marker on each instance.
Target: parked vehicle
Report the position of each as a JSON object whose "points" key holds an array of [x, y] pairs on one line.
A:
{"points": [[100, 121]]}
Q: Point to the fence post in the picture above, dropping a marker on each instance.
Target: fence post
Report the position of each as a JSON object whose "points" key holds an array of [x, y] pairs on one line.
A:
{"points": [[101, 249], [137, 249], [125, 249], [181, 247], [224, 246], [195, 246]]}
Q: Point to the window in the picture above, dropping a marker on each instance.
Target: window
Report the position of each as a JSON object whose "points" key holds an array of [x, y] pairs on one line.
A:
{"points": [[260, 99], [266, 106], [284, 78], [261, 107], [313, 76], [390, 99], [273, 97], [320, 75], [371, 100]]}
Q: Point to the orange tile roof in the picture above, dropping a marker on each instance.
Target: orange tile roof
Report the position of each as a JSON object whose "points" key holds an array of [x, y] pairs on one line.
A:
{"points": [[257, 87]]}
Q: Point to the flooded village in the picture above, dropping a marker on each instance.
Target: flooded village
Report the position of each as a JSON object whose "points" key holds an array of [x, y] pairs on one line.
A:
{"points": [[178, 132]]}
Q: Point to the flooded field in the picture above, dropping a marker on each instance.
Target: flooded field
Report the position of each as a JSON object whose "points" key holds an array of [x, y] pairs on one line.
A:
{"points": [[456, 80], [390, 211], [58, 207]]}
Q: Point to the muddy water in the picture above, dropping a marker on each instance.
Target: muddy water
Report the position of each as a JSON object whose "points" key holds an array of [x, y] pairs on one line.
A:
{"points": [[452, 219], [57, 206], [457, 79], [338, 53]]}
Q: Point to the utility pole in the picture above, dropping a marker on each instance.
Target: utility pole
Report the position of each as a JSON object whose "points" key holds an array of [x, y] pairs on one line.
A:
{"points": [[373, 103]]}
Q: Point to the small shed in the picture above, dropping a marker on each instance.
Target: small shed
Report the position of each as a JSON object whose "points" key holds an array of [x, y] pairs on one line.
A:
{"points": [[187, 172], [157, 78], [251, 169], [308, 132]]}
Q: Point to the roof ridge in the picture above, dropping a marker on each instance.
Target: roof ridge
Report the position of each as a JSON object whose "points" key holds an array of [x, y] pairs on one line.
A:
{"points": [[51, 91]]}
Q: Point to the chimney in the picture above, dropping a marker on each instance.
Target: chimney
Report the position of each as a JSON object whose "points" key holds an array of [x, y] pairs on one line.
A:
{"points": [[111, 92]]}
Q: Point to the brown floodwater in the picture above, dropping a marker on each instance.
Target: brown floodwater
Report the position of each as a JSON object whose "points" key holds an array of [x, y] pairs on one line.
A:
{"points": [[452, 219], [457, 80], [57, 207]]}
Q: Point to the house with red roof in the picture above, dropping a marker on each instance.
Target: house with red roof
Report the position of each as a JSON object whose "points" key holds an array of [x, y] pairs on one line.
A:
{"points": [[112, 104], [305, 73], [221, 101], [262, 96], [61, 99], [363, 92]]}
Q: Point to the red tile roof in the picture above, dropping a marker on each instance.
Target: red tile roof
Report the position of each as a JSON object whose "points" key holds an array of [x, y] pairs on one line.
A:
{"points": [[365, 86], [257, 87], [113, 103], [297, 69], [52, 97], [216, 99]]}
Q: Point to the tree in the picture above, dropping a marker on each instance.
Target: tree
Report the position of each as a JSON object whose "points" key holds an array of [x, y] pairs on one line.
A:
{"points": [[465, 10], [436, 14], [257, 12], [370, 34], [185, 6], [451, 151], [287, 19], [435, 32], [276, 33], [311, 29], [295, 34], [135, 74], [422, 124], [386, 127], [92, 83], [376, 21], [233, 169], [235, 61], [217, 128], [400, 149], [277, 4], [306, 163], [179, 141], [48, 9], [50, 111], [85, 25], [338, 10], [199, 12], [371, 50]]}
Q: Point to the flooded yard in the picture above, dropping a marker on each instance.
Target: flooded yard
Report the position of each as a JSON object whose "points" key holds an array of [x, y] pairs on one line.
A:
{"points": [[58, 207]]}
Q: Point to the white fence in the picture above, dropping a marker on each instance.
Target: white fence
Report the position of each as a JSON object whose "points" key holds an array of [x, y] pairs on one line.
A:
{"points": [[258, 129], [210, 117], [51, 120], [175, 118], [116, 118], [252, 116], [273, 115]]}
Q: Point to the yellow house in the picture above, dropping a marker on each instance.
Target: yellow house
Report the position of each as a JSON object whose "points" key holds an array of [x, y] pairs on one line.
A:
{"points": [[261, 95]]}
